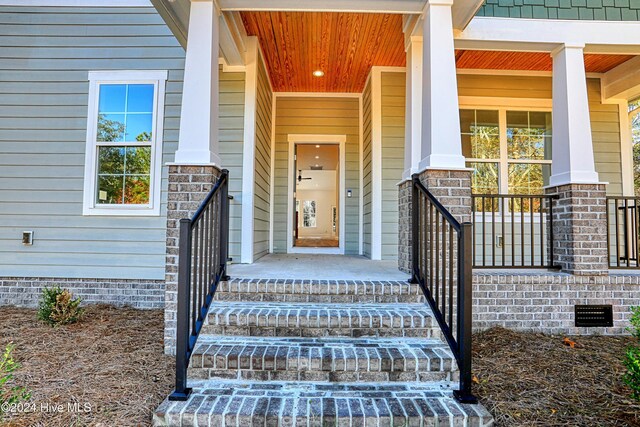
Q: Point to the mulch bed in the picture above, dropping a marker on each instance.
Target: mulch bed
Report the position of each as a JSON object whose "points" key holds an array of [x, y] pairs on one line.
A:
{"points": [[527, 379], [112, 360]]}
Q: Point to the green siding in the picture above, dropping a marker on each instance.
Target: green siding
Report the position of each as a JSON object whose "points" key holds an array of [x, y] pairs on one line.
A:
{"points": [[366, 168], [393, 112], [46, 54], [262, 187], [587, 10], [316, 116], [231, 134]]}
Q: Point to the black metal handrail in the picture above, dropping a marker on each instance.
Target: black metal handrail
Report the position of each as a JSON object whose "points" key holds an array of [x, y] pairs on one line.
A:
{"points": [[513, 230], [441, 263], [623, 223], [202, 264]]}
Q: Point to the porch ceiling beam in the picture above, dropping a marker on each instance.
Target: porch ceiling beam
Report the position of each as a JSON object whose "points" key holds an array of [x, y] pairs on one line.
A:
{"points": [[622, 82], [546, 35]]}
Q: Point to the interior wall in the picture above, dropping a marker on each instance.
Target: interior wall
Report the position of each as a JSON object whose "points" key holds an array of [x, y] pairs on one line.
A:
{"points": [[325, 200], [316, 116]]}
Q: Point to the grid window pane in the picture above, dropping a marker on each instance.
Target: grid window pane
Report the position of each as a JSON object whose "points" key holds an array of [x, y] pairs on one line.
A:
{"points": [[123, 175], [484, 179], [527, 178], [529, 135], [480, 134], [125, 113]]}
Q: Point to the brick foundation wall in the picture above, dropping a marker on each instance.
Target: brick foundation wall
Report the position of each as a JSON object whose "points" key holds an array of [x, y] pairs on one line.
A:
{"points": [[142, 294], [580, 229], [404, 226], [188, 186], [544, 302]]}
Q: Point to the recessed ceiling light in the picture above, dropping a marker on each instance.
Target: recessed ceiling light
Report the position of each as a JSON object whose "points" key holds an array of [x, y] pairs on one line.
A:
{"points": [[316, 165], [318, 73], [317, 146], [317, 157]]}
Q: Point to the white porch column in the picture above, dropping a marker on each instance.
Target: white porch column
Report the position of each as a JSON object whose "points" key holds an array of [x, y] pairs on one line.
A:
{"points": [[572, 149], [198, 140], [441, 143], [413, 108]]}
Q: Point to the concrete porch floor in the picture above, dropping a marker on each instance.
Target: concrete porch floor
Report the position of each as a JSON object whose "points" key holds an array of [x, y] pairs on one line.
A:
{"points": [[318, 267]]}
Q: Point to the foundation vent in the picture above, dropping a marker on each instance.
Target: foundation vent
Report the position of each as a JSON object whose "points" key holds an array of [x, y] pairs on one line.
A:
{"points": [[594, 315]]}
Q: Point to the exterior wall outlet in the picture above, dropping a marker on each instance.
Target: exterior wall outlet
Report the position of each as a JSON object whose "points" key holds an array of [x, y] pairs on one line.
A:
{"points": [[27, 238], [499, 241], [349, 193]]}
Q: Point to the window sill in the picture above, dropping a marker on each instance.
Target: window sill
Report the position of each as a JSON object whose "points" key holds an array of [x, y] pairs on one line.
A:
{"points": [[121, 211]]}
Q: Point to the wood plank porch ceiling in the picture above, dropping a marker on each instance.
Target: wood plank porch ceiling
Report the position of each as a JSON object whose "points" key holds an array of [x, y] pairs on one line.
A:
{"points": [[343, 45], [530, 61], [346, 45]]}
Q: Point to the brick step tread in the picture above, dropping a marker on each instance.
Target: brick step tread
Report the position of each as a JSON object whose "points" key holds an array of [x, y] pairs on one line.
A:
{"points": [[247, 403], [310, 319], [322, 359], [318, 291]]}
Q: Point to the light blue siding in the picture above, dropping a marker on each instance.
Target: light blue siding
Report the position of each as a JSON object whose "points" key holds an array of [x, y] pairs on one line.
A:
{"points": [[45, 56]]}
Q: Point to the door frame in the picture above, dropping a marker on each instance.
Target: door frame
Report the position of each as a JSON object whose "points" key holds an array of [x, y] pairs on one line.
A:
{"points": [[299, 139]]}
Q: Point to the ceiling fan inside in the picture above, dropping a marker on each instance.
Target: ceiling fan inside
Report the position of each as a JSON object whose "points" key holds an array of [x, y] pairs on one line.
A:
{"points": [[300, 178]]}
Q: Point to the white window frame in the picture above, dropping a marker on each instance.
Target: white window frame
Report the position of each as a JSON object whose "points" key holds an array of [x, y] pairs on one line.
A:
{"points": [[504, 161], [96, 78]]}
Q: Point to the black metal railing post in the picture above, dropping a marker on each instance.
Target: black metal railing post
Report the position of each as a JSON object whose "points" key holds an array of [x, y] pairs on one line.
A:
{"points": [[528, 246], [202, 248], [434, 227], [465, 312], [415, 230], [183, 316], [224, 231]]}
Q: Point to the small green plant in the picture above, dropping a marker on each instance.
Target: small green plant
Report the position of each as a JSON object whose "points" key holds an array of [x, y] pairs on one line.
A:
{"points": [[10, 394], [632, 356], [58, 307]]}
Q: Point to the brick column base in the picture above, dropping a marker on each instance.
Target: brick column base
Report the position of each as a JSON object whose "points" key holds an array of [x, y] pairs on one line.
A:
{"points": [[188, 186], [452, 188], [580, 229], [404, 226]]}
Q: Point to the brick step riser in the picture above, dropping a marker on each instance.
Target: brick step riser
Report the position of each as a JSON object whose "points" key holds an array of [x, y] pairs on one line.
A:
{"points": [[360, 289], [258, 375], [263, 331], [338, 299]]}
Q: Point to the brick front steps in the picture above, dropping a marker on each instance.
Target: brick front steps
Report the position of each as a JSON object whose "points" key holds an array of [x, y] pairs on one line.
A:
{"points": [[334, 291], [320, 353], [240, 403], [318, 320], [322, 359]]}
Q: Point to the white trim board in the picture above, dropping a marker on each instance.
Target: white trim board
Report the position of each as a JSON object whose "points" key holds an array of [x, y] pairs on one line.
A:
{"points": [[545, 35], [77, 3], [376, 163], [299, 139], [249, 151]]}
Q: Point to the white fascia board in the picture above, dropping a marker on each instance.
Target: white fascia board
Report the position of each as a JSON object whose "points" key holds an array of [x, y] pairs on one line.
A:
{"points": [[373, 6], [544, 35]]}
